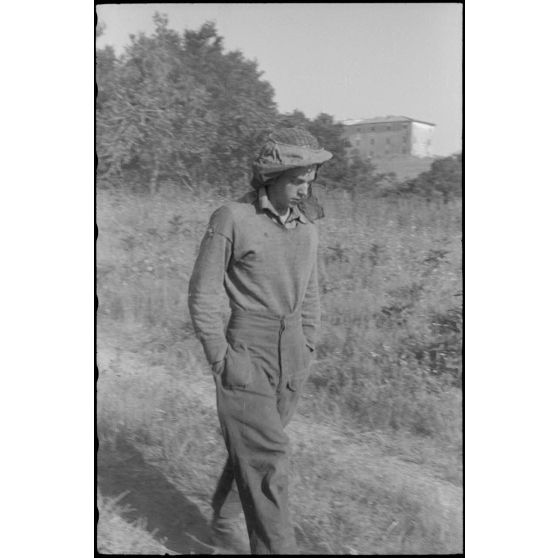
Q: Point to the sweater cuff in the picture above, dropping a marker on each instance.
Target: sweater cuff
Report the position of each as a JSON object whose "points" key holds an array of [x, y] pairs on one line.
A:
{"points": [[310, 333], [215, 349]]}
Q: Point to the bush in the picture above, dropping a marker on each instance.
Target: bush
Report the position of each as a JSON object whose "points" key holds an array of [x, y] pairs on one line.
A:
{"points": [[444, 181]]}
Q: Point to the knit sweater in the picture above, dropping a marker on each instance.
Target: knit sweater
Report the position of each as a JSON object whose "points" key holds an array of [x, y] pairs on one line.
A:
{"points": [[263, 266]]}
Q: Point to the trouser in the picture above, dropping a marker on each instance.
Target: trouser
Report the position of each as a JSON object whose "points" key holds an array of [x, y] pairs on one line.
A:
{"points": [[266, 365]]}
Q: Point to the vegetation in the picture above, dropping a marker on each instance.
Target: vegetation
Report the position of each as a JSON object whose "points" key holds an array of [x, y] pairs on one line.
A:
{"points": [[377, 441], [179, 109], [443, 181], [118, 536], [377, 448]]}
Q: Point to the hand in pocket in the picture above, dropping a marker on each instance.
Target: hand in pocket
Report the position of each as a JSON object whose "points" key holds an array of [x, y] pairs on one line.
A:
{"points": [[218, 367], [238, 367]]}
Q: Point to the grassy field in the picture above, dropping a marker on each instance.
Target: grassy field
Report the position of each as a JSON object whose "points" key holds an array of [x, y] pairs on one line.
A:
{"points": [[377, 448]]}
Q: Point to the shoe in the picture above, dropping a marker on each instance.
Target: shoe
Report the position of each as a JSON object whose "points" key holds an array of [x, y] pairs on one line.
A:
{"points": [[230, 535]]}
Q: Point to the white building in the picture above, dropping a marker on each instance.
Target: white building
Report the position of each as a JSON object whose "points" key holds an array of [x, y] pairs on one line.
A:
{"points": [[386, 136]]}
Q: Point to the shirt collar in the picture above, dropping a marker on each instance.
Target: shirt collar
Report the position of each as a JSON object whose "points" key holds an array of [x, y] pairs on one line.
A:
{"points": [[265, 203]]}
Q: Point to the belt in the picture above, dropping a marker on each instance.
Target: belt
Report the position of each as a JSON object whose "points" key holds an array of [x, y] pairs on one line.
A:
{"points": [[263, 319]]}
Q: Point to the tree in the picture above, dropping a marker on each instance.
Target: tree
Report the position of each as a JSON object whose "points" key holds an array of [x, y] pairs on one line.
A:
{"points": [[330, 135], [443, 179], [151, 123], [243, 102], [99, 28], [179, 107]]}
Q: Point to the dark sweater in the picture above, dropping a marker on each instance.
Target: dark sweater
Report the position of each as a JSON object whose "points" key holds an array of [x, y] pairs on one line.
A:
{"points": [[263, 266]]}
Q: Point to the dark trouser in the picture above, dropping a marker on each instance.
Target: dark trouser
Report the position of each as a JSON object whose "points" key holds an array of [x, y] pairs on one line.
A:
{"points": [[266, 365]]}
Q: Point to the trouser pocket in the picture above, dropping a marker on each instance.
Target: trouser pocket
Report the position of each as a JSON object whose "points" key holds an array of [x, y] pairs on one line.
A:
{"points": [[300, 374], [238, 371]]}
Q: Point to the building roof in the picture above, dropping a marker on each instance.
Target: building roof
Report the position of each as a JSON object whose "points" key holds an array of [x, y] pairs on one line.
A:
{"points": [[382, 119]]}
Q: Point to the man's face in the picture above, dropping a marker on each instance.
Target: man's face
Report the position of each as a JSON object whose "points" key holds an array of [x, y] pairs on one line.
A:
{"points": [[291, 187]]}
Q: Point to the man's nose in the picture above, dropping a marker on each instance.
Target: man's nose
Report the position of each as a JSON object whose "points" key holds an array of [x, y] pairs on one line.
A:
{"points": [[303, 189]]}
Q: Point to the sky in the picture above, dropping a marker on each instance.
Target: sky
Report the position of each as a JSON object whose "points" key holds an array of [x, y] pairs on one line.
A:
{"points": [[347, 60]]}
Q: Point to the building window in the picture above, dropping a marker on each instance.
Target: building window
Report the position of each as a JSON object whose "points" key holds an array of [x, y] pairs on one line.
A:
{"points": [[371, 141], [388, 127], [388, 140]]}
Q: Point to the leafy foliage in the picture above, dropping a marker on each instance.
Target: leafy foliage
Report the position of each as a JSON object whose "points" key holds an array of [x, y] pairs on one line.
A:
{"points": [[443, 180], [178, 107], [153, 116], [241, 101]]}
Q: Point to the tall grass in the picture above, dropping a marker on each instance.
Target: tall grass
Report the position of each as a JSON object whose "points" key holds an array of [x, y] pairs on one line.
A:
{"points": [[118, 536], [390, 353], [387, 379]]}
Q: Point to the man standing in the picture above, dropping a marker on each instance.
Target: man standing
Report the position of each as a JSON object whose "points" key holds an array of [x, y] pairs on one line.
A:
{"points": [[263, 251]]}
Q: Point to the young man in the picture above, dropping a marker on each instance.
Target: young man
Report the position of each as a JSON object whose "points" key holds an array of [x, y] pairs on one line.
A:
{"points": [[263, 252]]}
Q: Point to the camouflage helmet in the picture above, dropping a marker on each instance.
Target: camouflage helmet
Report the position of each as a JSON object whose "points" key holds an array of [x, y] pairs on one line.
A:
{"points": [[284, 149]]}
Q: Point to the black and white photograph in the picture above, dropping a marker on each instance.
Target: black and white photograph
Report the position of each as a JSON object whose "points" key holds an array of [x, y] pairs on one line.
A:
{"points": [[279, 278], [249, 251]]}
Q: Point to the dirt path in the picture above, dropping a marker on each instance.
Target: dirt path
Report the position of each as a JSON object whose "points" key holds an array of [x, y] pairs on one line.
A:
{"points": [[166, 509]]}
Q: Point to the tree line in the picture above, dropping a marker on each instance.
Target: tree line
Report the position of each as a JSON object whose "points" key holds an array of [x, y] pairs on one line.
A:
{"points": [[176, 107]]}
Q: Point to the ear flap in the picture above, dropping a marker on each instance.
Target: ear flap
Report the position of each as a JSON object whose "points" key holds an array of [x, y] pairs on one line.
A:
{"points": [[311, 206]]}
